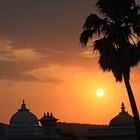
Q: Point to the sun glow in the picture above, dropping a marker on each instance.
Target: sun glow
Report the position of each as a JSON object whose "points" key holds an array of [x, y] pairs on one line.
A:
{"points": [[100, 92]]}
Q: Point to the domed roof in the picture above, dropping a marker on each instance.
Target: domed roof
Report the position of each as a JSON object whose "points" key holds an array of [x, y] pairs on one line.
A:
{"points": [[48, 120], [122, 119], [23, 117]]}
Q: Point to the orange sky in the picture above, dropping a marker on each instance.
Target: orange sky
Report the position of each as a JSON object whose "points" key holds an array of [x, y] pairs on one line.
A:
{"points": [[42, 62]]}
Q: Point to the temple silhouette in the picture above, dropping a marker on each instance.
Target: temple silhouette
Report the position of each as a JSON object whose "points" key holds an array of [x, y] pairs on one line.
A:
{"points": [[25, 125], [121, 127]]}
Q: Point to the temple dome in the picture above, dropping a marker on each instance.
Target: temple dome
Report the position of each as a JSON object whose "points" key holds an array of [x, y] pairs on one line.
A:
{"points": [[23, 117], [48, 120], [122, 119]]}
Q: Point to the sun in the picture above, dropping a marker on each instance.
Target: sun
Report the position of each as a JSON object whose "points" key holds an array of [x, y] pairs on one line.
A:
{"points": [[100, 92]]}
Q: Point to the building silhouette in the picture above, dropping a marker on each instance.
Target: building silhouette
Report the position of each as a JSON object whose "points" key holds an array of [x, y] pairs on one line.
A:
{"points": [[24, 125], [121, 127]]}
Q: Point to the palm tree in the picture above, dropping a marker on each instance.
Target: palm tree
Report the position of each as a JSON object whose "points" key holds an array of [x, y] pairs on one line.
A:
{"points": [[118, 30]]}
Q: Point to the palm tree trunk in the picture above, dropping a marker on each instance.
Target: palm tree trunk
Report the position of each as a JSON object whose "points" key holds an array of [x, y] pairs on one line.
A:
{"points": [[133, 105]]}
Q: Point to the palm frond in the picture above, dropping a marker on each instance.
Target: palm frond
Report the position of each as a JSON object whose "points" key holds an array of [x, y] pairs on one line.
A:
{"points": [[93, 22], [133, 19], [106, 51], [136, 25], [93, 25], [85, 35], [117, 8], [134, 55]]}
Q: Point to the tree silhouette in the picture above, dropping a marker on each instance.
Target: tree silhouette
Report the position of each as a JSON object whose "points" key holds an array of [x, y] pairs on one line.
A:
{"points": [[118, 30]]}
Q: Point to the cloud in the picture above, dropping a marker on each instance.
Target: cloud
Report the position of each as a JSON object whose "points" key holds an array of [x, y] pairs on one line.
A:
{"points": [[56, 73], [15, 63], [19, 64], [14, 71], [9, 53], [27, 54]]}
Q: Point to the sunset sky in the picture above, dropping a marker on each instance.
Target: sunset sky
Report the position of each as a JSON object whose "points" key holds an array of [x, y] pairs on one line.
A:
{"points": [[41, 61]]}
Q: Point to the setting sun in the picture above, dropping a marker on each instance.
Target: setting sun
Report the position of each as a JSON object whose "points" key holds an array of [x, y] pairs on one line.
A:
{"points": [[100, 92]]}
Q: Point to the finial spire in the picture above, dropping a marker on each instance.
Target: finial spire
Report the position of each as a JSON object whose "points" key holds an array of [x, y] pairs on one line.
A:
{"points": [[23, 102], [51, 114], [123, 107], [48, 114], [23, 106]]}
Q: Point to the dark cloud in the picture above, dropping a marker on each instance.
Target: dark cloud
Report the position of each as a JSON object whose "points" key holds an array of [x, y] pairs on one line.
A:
{"points": [[13, 71], [21, 72]]}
